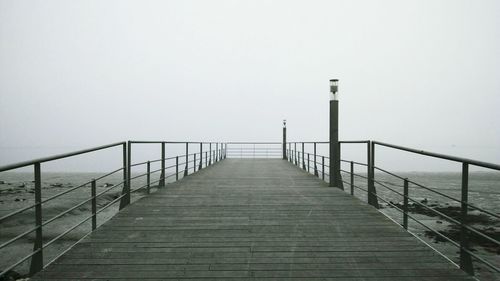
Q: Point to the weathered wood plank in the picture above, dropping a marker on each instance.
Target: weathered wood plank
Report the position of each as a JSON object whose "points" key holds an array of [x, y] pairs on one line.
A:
{"points": [[249, 220]]}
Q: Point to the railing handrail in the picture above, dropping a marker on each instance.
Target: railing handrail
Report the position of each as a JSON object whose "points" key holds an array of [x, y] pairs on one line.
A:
{"points": [[441, 156], [177, 142], [297, 156], [216, 153], [254, 142], [58, 156]]}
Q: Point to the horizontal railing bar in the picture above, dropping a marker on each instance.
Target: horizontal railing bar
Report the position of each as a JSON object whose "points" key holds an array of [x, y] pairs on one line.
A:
{"points": [[158, 160], [327, 142], [436, 212], [65, 192], [355, 186], [108, 189], [246, 142], [19, 262], [65, 212], [308, 142], [443, 236], [443, 215], [179, 142], [355, 141], [139, 188], [357, 163], [442, 156], [17, 237], [254, 149], [111, 203], [58, 156], [109, 174], [16, 212], [401, 211], [142, 175], [439, 193], [251, 153], [67, 249], [66, 232]]}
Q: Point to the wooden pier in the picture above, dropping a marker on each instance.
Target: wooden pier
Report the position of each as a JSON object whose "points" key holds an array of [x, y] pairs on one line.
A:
{"points": [[251, 219]]}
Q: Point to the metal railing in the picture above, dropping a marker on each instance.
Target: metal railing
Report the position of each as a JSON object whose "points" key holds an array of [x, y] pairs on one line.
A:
{"points": [[205, 154], [315, 163], [180, 166], [254, 149]]}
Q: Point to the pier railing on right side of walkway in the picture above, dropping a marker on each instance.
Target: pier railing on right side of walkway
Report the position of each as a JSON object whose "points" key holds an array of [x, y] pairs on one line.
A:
{"points": [[304, 155]]}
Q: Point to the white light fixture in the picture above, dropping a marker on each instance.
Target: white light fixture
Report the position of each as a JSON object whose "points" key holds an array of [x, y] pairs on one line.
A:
{"points": [[334, 87]]}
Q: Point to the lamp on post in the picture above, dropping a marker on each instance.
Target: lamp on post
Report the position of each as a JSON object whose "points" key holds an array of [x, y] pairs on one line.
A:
{"points": [[335, 178]]}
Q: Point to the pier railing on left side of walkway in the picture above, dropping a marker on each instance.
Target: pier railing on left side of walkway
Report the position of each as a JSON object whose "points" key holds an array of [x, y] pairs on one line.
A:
{"points": [[170, 168]]}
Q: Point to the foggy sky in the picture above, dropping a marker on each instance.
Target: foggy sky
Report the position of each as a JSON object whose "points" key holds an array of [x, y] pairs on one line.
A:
{"points": [[75, 74]]}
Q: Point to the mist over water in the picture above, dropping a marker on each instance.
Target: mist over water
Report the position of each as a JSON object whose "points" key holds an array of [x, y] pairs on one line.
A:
{"points": [[79, 74]]}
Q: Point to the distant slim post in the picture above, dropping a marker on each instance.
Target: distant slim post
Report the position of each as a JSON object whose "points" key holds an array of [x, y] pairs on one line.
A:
{"points": [[335, 179], [284, 140]]}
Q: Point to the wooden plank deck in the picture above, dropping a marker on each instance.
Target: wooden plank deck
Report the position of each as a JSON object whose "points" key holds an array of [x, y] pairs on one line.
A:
{"points": [[251, 220]]}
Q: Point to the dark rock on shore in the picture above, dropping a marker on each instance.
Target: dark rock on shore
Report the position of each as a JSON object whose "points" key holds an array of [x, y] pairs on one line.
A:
{"points": [[453, 232], [484, 223]]}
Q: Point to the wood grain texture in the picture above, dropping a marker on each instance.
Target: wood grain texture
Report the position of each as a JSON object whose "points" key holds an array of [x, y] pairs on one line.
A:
{"points": [[251, 219]]}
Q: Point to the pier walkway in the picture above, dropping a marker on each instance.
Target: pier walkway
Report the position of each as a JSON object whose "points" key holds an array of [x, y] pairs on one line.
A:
{"points": [[251, 219]]}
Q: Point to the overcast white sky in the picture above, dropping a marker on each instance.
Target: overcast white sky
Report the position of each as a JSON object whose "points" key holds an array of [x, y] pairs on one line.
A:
{"points": [[75, 74]]}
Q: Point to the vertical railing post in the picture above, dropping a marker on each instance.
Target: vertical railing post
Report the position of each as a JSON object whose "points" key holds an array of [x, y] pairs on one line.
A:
{"points": [[176, 168], [148, 177], [186, 171], [372, 193], [37, 259], [94, 204], [315, 166], [127, 171], [303, 158], [216, 152], [295, 152], [284, 140], [405, 204], [352, 178], [210, 149], [162, 175], [201, 156], [194, 162], [323, 167], [206, 158], [308, 163], [465, 258], [290, 152]]}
